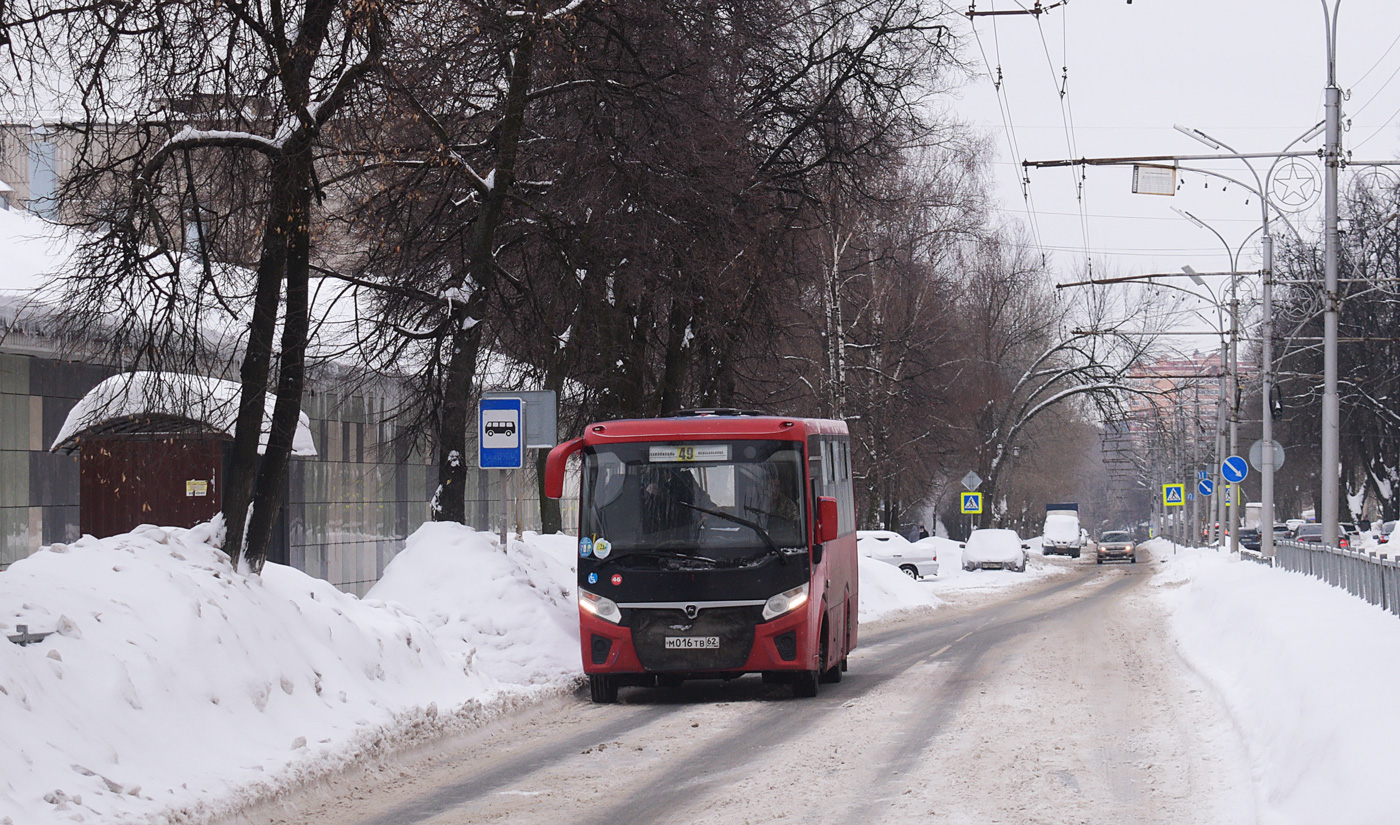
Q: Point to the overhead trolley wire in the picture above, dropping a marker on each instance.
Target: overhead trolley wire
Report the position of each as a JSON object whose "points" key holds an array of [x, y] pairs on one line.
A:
{"points": [[1067, 120], [1009, 126]]}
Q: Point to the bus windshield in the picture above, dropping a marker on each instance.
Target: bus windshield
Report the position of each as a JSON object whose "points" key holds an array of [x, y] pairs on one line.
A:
{"points": [[720, 500]]}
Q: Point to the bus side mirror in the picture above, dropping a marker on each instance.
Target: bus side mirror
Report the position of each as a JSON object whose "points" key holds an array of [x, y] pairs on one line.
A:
{"points": [[828, 522], [555, 465]]}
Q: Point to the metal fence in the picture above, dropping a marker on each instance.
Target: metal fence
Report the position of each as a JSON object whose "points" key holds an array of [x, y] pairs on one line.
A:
{"points": [[1374, 577]]}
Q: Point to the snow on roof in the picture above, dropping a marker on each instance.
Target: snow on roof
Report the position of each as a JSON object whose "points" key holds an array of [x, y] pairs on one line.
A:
{"points": [[34, 250], [168, 402]]}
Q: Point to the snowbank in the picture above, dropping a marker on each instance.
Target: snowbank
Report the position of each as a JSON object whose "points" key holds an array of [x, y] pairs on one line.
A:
{"points": [[175, 689], [1307, 673], [885, 592], [509, 616]]}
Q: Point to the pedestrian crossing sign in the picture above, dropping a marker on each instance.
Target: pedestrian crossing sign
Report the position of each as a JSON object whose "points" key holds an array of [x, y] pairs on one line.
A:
{"points": [[1174, 495], [972, 502]]}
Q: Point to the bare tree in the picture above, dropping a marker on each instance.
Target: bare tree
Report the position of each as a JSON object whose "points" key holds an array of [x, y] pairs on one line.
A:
{"points": [[157, 93]]}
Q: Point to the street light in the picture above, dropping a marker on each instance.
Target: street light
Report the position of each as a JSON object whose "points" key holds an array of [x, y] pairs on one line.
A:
{"points": [[1227, 369], [1232, 368], [1266, 469]]}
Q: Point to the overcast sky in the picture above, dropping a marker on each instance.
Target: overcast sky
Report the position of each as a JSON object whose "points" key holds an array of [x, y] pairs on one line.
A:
{"points": [[1250, 73]]}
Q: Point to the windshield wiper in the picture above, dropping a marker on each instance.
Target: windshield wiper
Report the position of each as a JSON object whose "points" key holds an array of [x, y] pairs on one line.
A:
{"points": [[752, 525], [656, 554]]}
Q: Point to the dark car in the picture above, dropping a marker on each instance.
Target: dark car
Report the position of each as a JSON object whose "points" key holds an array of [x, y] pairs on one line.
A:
{"points": [[1250, 538], [1309, 533]]}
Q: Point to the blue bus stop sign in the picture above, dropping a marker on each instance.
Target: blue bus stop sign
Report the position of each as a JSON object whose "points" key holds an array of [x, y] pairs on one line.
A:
{"points": [[500, 433], [1234, 469], [1205, 486]]}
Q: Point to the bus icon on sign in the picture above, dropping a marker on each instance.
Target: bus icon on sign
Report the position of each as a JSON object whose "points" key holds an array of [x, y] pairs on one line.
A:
{"points": [[506, 428]]}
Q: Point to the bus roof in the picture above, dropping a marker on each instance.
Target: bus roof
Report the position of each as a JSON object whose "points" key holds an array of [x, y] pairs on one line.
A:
{"points": [[711, 426]]}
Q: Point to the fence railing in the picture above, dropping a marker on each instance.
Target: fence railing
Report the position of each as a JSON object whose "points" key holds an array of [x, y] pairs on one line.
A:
{"points": [[1374, 577]]}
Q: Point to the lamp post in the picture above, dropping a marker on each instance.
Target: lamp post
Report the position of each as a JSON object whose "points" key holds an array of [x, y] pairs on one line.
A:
{"points": [[1230, 360], [1266, 469], [1331, 417], [1217, 521]]}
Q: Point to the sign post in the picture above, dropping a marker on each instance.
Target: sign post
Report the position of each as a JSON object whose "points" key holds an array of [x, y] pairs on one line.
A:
{"points": [[500, 429]]}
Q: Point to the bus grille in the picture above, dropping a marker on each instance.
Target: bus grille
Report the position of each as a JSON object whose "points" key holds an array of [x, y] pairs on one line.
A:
{"points": [[733, 625]]}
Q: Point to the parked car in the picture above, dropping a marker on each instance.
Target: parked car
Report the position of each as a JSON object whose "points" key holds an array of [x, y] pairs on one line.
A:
{"points": [[916, 560], [995, 549], [1062, 534], [1311, 533], [1250, 539], [1346, 534], [1116, 544], [1384, 532]]}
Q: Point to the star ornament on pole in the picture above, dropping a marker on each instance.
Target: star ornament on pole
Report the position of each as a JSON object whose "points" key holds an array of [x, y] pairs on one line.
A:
{"points": [[1294, 185]]}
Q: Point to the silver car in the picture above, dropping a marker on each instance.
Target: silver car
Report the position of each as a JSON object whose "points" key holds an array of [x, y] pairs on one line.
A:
{"points": [[915, 560], [1116, 544]]}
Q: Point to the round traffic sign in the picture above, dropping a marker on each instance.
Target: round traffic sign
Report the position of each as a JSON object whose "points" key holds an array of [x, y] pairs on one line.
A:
{"points": [[1206, 486], [1256, 455], [1234, 469]]}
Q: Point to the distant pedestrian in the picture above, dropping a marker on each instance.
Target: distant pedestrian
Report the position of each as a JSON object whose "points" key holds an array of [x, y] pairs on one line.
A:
{"points": [[923, 532]]}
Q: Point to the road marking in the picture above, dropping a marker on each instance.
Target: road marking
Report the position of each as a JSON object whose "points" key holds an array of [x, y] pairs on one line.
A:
{"points": [[964, 636], [942, 650]]}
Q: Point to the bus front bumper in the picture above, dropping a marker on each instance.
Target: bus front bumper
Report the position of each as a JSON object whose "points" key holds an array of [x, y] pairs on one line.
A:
{"points": [[783, 644]]}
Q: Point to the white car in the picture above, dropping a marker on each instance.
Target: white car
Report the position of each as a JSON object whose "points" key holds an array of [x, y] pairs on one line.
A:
{"points": [[916, 560], [995, 549]]}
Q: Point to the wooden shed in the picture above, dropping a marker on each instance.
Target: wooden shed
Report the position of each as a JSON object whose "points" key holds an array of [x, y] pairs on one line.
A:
{"points": [[153, 449]]}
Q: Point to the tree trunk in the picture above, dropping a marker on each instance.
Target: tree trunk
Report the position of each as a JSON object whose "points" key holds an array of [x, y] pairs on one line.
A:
{"points": [[673, 375], [450, 500], [551, 519], [450, 503], [291, 373], [257, 360]]}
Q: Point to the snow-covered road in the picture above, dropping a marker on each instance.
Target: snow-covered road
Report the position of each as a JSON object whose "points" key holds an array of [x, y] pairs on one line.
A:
{"points": [[1057, 701]]}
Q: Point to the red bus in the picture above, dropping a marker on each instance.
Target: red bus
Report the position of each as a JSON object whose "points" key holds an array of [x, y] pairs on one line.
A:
{"points": [[713, 544]]}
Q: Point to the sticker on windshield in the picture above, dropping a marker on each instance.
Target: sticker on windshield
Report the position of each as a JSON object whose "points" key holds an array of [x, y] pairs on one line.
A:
{"points": [[601, 548], [585, 547], [616, 579], [688, 452], [592, 578]]}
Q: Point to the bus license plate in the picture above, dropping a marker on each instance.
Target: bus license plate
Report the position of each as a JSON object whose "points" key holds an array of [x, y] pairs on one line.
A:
{"points": [[692, 642]]}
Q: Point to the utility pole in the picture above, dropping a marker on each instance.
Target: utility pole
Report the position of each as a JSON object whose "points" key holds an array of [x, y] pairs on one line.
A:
{"points": [[1266, 433], [1331, 416], [1195, 463]]}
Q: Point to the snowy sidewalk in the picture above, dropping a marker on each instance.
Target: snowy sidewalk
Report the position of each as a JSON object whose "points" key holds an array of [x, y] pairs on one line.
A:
{"points": [[1308, 674]]}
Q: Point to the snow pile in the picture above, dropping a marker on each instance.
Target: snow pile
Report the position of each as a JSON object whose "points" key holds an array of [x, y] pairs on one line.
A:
{"points": [[885, 591], [1307, 672], [34, 250], [175, 688], [512, 617]]}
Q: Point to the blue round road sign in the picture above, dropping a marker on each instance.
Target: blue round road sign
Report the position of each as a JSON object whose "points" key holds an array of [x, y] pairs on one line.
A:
{"points": [[1206, 486], [1234, 469]]}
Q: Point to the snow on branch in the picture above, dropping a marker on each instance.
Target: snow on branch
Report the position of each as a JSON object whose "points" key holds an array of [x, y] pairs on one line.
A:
{"points": [[192, 138]]}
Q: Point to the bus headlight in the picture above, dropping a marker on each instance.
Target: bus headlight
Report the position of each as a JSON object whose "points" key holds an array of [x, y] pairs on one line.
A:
{"points": [[600, 606], [785, 602]]}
